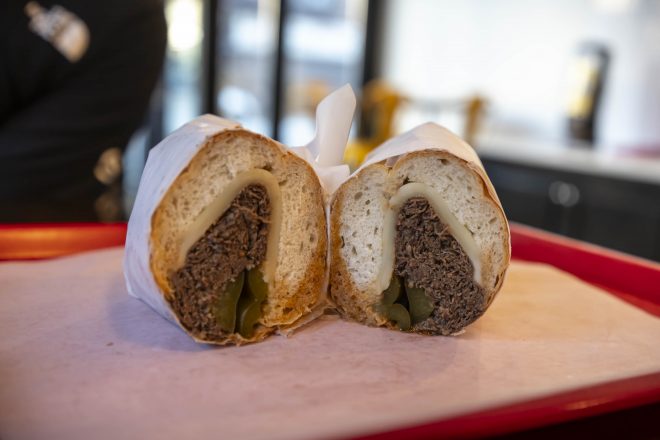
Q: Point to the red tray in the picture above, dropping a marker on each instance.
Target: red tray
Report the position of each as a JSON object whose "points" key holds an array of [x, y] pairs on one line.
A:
{"points": [[47, 240], [632, 279]]}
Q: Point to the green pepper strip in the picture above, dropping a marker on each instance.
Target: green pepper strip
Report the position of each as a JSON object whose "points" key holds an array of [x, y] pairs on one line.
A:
{"points": [[388, 308], [419, 305], [224, 308], [400, 315], [393, 291], [393, 305], [249, 306]]}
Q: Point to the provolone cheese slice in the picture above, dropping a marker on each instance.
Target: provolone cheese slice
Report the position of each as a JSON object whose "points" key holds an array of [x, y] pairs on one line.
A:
{"points": [[456, 229], [222, 202]]}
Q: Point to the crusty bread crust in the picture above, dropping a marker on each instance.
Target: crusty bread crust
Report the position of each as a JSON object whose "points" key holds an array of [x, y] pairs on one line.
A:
{"points": [[352, 300], [291, 295]]}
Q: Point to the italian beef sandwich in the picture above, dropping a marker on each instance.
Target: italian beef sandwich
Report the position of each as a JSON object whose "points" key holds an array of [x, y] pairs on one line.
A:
{"points": [[419, 240], [227, 237]]}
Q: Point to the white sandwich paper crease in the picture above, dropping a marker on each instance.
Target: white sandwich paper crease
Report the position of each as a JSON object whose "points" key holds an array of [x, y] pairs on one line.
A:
{"points": [[324, 153], [171, 156]]}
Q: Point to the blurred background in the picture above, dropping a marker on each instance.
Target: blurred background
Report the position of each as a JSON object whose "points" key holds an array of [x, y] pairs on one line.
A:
{"points": [[560, 98]]}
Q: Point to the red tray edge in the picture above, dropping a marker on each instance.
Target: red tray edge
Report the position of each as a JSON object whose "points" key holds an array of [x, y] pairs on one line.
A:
{"points": [[48, 240], [529, 244], [634, 280], [561, 407]]}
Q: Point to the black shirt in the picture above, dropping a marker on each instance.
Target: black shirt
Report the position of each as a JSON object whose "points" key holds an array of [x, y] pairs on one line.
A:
{"points": [[64, 102]]}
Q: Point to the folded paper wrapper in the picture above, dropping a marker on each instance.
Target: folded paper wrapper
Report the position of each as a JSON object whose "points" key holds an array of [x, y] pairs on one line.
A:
{"points": [[430, 136], [79, 358], [325, 153], [171, 156]]}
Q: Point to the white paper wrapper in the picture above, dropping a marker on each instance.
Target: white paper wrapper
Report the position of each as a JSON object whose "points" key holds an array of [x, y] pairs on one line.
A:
{"points": [[164, 164], [431, 136], [174, 153]]}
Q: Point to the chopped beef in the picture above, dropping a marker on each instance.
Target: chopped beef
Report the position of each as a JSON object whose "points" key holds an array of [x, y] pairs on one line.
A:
{"points": [[429, 257], [235, 242]]}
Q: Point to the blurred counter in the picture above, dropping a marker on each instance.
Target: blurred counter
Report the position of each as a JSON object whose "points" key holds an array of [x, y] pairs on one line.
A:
{"points": [[588, 194], [571, 157]]}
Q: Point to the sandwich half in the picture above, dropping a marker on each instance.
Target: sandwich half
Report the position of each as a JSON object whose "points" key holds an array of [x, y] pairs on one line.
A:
{"points": [[419, 240], [228, 234]]}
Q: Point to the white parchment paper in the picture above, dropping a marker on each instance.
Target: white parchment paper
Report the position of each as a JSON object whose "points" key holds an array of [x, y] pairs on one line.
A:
{"points": [[172, 155], [79, 358], [429, 136], [164, 164]]}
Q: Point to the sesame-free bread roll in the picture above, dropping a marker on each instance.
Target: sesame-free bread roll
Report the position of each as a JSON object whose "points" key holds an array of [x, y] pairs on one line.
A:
{"points": [[419, 240], [228, 234]]}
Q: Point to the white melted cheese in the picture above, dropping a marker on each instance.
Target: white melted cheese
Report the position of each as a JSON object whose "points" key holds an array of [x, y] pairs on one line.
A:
{"points": [[221, 203], [456, 229]]}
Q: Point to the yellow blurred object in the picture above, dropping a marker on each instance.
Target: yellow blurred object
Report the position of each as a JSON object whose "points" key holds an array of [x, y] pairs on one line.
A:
{"points": [[474, 110], [584, 78], [378, 107], [357, 150], [304, 97], [380, 103]]}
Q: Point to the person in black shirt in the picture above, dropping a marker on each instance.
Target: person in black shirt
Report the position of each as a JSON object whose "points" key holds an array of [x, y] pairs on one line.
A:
{"points": [[76, 78]]}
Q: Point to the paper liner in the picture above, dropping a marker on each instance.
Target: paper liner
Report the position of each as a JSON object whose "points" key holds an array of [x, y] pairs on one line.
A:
{"points": [[431, 136], [171, 156], [80, 359], [164, 163]]}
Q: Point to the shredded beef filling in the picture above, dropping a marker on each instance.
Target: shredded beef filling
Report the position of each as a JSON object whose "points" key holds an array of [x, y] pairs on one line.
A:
{"points": [[427, 256], [235, 242]]}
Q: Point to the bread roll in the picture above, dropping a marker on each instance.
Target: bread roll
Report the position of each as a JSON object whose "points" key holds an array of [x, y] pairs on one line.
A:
{"points": [[228, 234], [419, 240]]}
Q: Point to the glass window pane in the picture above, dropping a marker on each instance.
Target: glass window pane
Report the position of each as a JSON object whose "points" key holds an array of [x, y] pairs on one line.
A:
{"points": [[247, 37], [182, 73], [323, 49]]}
